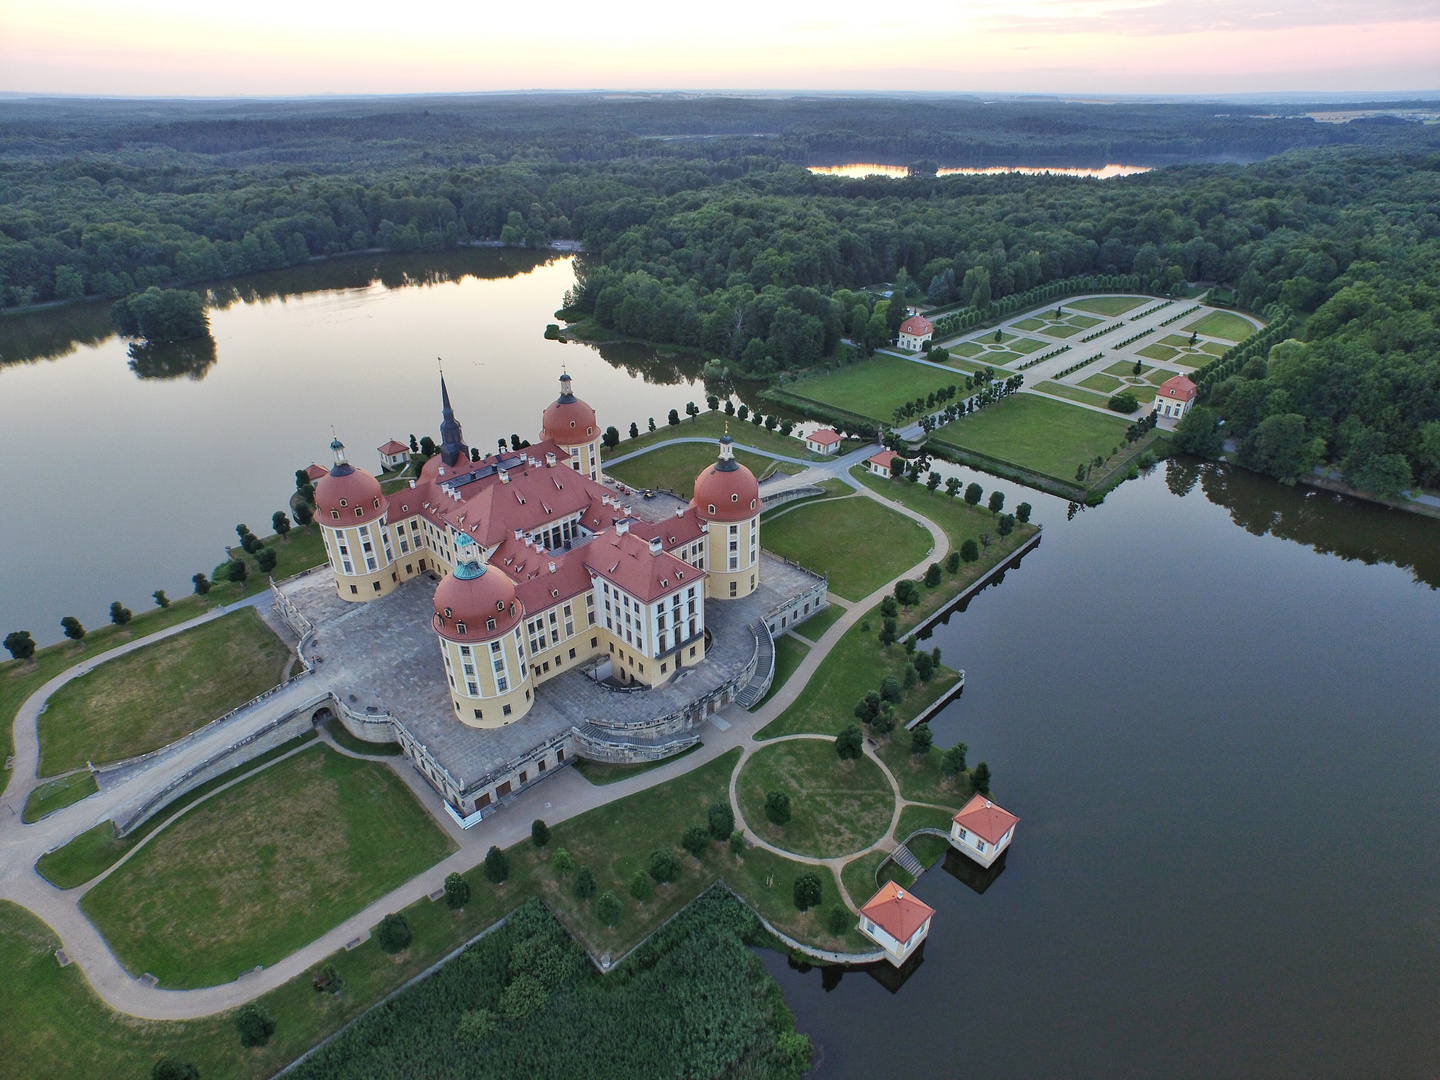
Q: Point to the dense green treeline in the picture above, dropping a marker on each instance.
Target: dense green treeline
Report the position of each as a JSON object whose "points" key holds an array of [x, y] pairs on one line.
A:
{"points": [[693, 1002]]}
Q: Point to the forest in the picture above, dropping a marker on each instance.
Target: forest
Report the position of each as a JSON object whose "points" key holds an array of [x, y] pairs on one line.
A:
{"points": [[701, 227]]}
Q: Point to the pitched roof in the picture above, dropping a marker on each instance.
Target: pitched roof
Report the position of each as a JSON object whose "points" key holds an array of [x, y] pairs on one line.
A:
{"points": [[674, 531], [883, 458], [917, 325], [393, 447], [985, 819], [625, 559], [1178, 388], [824, 436], [897, 912], [314, 472]]}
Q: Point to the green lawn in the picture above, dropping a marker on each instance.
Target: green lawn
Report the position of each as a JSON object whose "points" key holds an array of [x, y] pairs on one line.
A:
{"points": [[58, 794], [675, 467], [857, 542], [1102, 384], [1158, 351], [1084, 322], [711, 425], [96, 850], [1061, 330], [1028, 324], [789, 652], [1036, 433], [250, 876], [1027, 345], [814, 627], [1070, 393], [1143, 391], [857, 664], [924, 817], [874, 388], [1214, 348], [1159, 376], [601, 773], [1225, 325], [921, 779], [1175, 340], [859, 876], [149, 698], [837, 806], [1109, 306], [1125, 369], [967, 348]]}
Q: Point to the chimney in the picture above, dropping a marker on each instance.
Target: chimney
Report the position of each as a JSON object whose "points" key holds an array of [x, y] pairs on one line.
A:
{"points": [[622, 526], [504, 476], [549, 461], [552, 566], [519, 534], [412, 483], [655, 546], [627, 511], [680, 511]]}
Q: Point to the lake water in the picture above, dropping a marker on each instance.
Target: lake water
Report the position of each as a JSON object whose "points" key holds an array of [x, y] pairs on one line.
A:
{"points": [[1216, 716], [116, 485], [859, 169], [1211, 701]]}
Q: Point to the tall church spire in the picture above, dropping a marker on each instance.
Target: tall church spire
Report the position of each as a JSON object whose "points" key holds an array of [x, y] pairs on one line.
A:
{"points": [[452, 439]]}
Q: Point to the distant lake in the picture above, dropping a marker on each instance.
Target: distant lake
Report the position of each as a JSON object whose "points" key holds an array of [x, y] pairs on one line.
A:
{"points": [[856, 170]]}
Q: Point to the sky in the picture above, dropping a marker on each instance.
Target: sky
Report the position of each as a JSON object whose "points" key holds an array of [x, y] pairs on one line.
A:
{"points": [[301, 47]]}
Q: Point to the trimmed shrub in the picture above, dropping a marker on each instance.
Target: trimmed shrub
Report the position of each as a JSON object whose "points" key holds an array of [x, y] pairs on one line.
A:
{"points": [[561, 861], [777, 807], [457, 892], [254, 1024], [170, 1067], [585, 884], [394, 933], [850, 743], [695, 840], [807, 891], [641, 887], [721, 819], [497, 866], [539, 833], [838, 921], [609, 909], [664, 866]]}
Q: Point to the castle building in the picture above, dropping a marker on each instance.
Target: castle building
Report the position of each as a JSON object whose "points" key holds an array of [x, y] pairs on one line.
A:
{"points": [[543, 570]]}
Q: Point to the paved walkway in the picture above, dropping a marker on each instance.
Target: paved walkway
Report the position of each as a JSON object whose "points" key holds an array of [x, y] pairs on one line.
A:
{"points": [[559, 798]]}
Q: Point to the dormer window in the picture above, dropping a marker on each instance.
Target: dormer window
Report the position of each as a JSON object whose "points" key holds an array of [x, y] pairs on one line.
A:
{"points": [[377, 503], [752, 504], [499, 605], [736, 498], [460, 628], [335, 515], [712, 508], [344, 503], [447, 613], [359, 511], [489, 624]]}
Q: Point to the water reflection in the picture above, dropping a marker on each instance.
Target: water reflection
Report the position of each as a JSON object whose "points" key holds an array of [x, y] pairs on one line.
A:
{"points": [[191, 359], [970, 873], [1326, 522]]}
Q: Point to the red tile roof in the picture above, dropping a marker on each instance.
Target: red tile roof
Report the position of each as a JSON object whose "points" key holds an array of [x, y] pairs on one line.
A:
{"points": [[985, 819], [674, 532], [883, 458], [897, 912], [314, 472], [917, 326], [825, 437], [393, 447], [1177, 389], [625, 559]]}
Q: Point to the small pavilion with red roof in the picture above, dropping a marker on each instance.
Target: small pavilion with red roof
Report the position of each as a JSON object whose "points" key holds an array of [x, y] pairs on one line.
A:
{"points": [[1174, 398], [982, 830], [879, 464], [897, 921], [915, 332], [393, 455], [823, 441]]}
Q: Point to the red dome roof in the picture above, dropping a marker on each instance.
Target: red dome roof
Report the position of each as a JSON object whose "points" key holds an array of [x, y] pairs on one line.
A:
{"points": [[568, 420], [473, 601], [346, 495], [726, 495]]}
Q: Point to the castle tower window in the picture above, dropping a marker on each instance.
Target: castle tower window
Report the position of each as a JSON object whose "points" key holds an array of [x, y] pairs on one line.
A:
{"points": [[460, 628]]}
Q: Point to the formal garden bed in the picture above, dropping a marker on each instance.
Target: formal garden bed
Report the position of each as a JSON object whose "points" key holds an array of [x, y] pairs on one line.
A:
{"points": [[832, 807]]}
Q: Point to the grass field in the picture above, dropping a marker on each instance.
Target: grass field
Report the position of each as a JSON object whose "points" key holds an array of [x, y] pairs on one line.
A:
{"points": [[1084, 322], [1109, 306], [838, 806], [149, 698], [1125, 369], [1176, 341], [1159, 376], [1027, 345], [1158, 352], [790, 651], [253, 874], [1036, 433], [1214, 348], [1103, 384], [1222, 324], [1071, 393], [1028, 324], [874, 388], [711, 425], [966, 348], [857, 542], [814, 627], [58, 794], [1143, 391], [1060, 330], [675, 467]]}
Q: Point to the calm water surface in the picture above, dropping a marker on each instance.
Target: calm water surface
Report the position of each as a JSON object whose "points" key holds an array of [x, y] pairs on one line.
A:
{"points": [[1222, 746], [1212, 701], [116, 485]]}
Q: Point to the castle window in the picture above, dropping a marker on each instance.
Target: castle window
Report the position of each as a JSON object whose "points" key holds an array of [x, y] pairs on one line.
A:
{"points": [[460, 628], [353, 589], [502, 685], [359, 511], [490, 624], [377, 503], [506, 710], [478, 716], [344, 503], [447, 613], [335, 515], [734, 498], [712, 508], [474, 690]]}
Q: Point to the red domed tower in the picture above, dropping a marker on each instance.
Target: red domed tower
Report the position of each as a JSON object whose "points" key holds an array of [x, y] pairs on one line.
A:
{"points": [[727, 498], [570, 424], [476, 617], [350, 510]]}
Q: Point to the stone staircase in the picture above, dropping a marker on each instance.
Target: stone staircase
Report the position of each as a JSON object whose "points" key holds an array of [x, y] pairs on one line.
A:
{"points": [[903, 858], [747, 696]]}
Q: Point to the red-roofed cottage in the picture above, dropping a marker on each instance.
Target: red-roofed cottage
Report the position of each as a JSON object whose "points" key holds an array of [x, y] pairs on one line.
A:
{"points": [[982, 830], [1174, 398], [823, 441], [879, 464], [915, 332], [896, 921], [314, 472], [393, 455]]}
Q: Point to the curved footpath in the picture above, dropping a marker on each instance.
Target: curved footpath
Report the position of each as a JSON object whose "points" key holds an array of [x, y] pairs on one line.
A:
{"points": [[561, 797]]}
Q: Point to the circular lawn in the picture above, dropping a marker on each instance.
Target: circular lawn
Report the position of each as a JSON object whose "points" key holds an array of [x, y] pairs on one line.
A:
{"points": [[836, 807]]}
